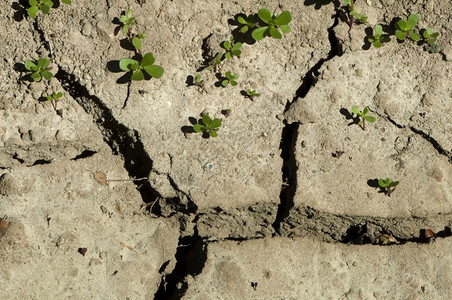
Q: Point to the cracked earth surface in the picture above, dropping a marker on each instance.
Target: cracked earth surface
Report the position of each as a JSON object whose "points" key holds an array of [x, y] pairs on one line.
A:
{"points": [[282, 205]]}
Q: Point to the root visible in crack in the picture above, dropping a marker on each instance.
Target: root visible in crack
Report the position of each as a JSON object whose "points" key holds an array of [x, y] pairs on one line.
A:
{"points": [[191, 256], [289, 173]]}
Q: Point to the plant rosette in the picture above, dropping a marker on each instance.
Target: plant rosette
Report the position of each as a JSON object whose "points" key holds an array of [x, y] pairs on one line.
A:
{"points": [[273, 23], [146, 64]]}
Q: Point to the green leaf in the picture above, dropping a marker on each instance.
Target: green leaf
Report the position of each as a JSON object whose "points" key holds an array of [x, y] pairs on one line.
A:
{"points": [[47, 2], [401, 25], [228, 55], [66, 1], [206, 120], [136, 43], [285, 28], [138, 75], [395, 183], [225, 82], [244, 29], [378, 30], [241, 20], [348, 2], [400, 35], [32, 11], [265, 15], [235, 76], [370, 119], [414, 36], [284, 18], [33, 2], [275, 33], [125, 64], [365, 111], [412, 21], [49, 98], [228, 74], [59, 94], [43, 63], [148, 59], [233, 82], [237, 46], [154, 71], [381, 183], [29, 65], [377, 44], [47, 75], [199, 128], [385, 39], [36, 76], [355, 110], [45, 9], [259, 33], [215, 123], [213, 134], [227, 45]]}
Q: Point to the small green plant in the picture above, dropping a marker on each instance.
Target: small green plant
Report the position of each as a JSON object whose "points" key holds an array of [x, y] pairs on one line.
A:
{"points": [[430, 39], [215, 62], [127, 21], [353, 14], [273, 23], [146, 64], [210, 126], [247, 23], [388, 185], [404, 28], [54, 98], [230, 79], [198, 80], [251, 94], [40, 69], [232, 49], [136, 41], [378, 39], [41, 5], [363, 115]]}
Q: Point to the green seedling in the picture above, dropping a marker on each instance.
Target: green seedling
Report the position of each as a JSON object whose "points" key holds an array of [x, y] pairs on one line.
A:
{"points": [[146, 64], [136, 41], [127, 21], [353, 14], [273, 23], [230, 79], [210, 126], [41, 5], [363, 115], [251, 94], [388, 185], [40, 69], [378, 39], [197, 80], [232, 49], [404, 28], [430, 39], [215, 62], [54, 98], [247, 23]]}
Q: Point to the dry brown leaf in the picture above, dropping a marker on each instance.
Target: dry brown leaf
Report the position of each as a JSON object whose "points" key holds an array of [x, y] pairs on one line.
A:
{"points": [[3, 226], [100, 178]]}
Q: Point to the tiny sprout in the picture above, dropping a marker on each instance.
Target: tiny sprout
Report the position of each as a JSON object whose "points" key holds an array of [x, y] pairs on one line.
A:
{"points": [[215, 62], [146, 64], [54, 98], [230, 79], [39, 5], [198, 81], [406, 27], [273, 23], [232, 49], [388, 185], [251, 94], [378, 39], [127, 21], [247, 23], [362, 18], [363, 115], [40, 69], [136, 41], [430, 39], [226, 112], [210, 126]]}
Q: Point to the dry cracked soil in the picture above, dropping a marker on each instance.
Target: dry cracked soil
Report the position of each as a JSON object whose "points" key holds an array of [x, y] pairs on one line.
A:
{"points": [[112, 195]]}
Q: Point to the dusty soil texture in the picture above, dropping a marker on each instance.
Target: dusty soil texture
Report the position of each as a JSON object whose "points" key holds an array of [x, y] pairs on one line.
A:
{"points": [[116, 197]]}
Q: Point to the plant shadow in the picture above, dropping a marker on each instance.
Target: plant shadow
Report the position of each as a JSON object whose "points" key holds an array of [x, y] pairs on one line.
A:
{"points": [[20, 10], [349, 116], [319, 3], [374, 184], [189, 129]]}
